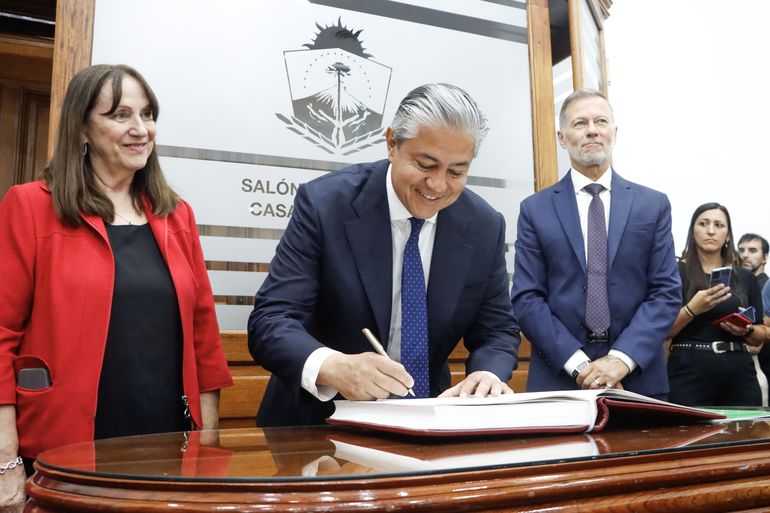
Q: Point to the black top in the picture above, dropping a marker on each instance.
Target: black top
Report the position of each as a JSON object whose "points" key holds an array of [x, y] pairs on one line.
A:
{"points": [[140, 389], [700, 328]]}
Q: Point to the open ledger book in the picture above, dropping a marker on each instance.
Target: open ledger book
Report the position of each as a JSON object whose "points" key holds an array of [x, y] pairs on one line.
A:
{"points": [[568, 411]]}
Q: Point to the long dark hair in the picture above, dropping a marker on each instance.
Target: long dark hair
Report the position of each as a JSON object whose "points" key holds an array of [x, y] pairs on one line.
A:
{"points": [[693, 270], [70, 176]]}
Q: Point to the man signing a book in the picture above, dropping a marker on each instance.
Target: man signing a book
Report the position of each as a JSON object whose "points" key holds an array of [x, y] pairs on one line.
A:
{"points": [[399, 247], [595, 285]]}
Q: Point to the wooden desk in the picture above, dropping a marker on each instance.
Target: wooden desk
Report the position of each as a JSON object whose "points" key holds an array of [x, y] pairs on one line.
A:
{"points": [[696, 468]]}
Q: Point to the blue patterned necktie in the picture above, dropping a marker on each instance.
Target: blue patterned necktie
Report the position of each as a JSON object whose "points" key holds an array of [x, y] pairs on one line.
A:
{"points": [[414, 314], [597, 303]]}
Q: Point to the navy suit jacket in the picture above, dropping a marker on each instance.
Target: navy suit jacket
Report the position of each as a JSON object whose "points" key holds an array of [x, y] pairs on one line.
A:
{"points": [[549, 283], [332, 276]]}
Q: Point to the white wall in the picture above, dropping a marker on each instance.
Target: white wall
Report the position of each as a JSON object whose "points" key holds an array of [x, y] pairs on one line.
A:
{"points": [[688, 82]]}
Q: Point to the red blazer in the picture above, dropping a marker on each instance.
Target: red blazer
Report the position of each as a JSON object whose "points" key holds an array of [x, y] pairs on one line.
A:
{"points": [[56, 285]]}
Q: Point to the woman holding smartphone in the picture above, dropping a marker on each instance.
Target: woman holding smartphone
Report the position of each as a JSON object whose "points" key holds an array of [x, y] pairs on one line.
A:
{"points": [[710, 362]]}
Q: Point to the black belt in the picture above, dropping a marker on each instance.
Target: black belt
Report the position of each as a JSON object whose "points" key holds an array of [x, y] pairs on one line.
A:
{"points": [[717, 347], [594, 338]]}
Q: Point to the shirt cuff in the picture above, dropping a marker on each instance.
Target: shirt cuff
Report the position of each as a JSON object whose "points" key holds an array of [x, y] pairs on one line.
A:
{"points": [[576, 359], [623, 357], [310, 374]]}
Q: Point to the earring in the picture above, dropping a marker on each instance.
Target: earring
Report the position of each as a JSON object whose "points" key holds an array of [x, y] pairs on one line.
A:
{"points": [[85, 149]]}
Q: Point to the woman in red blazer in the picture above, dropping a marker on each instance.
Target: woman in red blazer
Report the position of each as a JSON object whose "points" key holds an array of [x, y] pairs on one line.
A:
{"points": [[107, 322]]}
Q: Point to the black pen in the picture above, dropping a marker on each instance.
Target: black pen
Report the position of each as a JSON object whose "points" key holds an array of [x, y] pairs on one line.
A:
{"points": [[381, 350]]}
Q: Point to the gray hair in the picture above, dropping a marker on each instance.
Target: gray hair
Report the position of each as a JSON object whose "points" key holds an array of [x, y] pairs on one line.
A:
{"points": [[439, 105], [577, 95]]}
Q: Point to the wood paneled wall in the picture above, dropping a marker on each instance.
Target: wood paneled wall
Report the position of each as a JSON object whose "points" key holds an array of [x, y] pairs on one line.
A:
{"points": [[25, 90], [239, 403]]}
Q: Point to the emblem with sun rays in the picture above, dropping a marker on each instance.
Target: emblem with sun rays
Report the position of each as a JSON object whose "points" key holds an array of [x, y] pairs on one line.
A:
{"points": [[338, 92]]}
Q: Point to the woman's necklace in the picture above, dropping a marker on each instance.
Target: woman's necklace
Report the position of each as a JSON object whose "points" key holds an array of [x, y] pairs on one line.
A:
{"points": [[112, 189], [123, 218]]}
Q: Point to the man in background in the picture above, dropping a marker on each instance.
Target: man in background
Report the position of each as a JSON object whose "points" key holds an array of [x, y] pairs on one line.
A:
{"points": [[753, 250], [595, 286], [361, 248]]}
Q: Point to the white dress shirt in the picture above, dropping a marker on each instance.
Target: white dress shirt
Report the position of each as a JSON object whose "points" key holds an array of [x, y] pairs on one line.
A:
{"points": [[583, 198]]}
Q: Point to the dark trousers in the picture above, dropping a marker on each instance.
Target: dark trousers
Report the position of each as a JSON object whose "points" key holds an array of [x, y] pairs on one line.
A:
{"points": [[704, 378]]}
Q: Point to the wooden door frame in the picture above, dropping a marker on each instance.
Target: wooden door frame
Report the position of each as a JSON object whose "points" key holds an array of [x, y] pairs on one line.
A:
{"points": [[73, 42], [545, 170], [576, 22]]}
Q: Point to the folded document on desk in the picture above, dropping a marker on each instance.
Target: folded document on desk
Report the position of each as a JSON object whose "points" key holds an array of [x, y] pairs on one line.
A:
{"points": [[568, 411]]}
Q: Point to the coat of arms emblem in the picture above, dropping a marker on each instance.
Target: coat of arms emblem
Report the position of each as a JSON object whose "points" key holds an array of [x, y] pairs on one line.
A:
{"points": [[338, 92]]}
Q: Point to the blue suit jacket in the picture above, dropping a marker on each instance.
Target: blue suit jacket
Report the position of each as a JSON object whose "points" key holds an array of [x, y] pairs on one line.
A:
{"points": [[549, 283], [332, 276]]}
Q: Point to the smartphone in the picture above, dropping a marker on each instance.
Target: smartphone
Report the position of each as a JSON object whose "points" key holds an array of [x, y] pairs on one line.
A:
{"points": [[733, 318], [33, 378], [720, 275]]}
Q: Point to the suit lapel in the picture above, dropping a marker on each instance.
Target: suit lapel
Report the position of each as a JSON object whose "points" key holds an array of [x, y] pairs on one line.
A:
{"points": [[620, 207], [97, 224], [566, 210], [452, 257], [370, 240]]}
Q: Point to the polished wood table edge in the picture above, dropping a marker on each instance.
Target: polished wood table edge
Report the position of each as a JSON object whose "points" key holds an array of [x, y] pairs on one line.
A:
{"points": [[686, 480]]}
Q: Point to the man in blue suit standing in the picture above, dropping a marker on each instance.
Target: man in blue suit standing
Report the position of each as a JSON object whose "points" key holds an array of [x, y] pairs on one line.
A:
{"points": [[595, 285], [357, 239]]}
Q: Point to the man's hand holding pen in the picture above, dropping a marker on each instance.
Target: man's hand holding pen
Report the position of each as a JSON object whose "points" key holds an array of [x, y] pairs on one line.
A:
{"points": [[381, 351], [365, 376]]}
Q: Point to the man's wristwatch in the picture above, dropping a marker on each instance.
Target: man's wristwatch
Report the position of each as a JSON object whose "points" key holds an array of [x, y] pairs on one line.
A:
{"points": [[579, 368]]}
